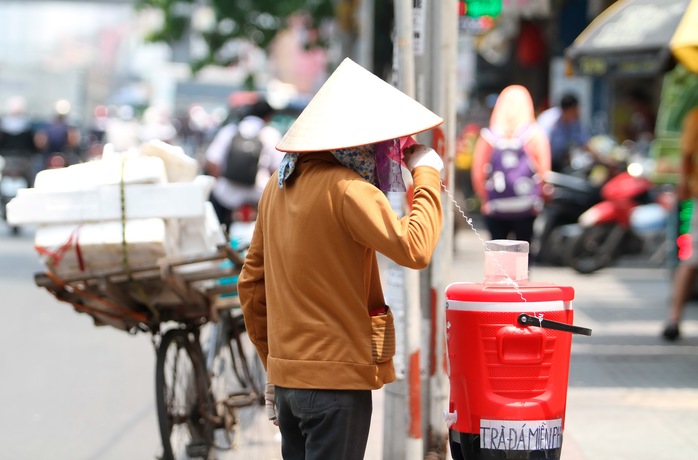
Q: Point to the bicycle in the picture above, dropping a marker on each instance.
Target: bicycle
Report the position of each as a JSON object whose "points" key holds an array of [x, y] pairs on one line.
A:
{"points": [[207, 371], [198, 392]]}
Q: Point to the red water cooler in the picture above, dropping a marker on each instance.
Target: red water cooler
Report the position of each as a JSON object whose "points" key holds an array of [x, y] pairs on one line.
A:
{"points": [[509, 344]]}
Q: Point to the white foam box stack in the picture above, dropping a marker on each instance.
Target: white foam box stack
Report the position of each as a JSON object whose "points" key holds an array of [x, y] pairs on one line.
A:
{"points": [[102, 203], [179, 166], [114, 170], [200, 235], [93, 249], [78, 211]]}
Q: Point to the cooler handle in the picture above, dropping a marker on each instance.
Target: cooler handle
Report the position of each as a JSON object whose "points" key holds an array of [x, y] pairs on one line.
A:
{"points": [[529, 320]]}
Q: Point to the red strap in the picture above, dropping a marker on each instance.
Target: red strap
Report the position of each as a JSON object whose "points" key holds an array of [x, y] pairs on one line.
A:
{"points": [[57, 255]]}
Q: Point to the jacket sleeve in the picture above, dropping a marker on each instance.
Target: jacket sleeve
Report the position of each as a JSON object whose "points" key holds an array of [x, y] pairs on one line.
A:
{"points": [[252, 294], [410, 240]]}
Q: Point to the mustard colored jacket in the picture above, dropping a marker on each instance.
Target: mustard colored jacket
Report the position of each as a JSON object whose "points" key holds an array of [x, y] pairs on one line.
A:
{"points": [[311, 274]]}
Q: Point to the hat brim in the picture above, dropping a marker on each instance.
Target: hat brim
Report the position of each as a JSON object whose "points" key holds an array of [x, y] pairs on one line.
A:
{"points": [[355, 107]]}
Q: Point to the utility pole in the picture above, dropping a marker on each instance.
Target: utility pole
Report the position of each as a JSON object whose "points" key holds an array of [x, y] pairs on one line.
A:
{"points": [[442, 84], [365, 21], [404, 439], [426, 38], [436, 27], [425, 56]]}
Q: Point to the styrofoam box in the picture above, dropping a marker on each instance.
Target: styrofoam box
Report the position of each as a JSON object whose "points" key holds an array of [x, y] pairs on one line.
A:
{"points": [[179, 166], [108, 171], [101, 245], [42, 206], [200, 236]]}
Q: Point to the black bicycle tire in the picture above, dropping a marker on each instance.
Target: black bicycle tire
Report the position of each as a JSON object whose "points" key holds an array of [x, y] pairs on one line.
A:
{"points": [[196, 425]]}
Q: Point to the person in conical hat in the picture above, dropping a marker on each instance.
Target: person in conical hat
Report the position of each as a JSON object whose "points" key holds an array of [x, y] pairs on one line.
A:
{"points": [[310, 288]]}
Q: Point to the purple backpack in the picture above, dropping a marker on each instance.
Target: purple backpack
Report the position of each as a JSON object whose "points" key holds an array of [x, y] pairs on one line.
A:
{"points": [[512, 184]]}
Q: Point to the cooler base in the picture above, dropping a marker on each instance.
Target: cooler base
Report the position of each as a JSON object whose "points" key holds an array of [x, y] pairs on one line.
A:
{"points": [[466, 446]]}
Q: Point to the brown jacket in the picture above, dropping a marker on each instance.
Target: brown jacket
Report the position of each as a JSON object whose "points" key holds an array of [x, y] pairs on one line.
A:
{"points": [[311, 274]]}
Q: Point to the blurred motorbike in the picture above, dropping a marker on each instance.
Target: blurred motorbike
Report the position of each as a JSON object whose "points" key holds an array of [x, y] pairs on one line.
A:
{"points": [[566, 198], [568, 194], [15, 172], [630, 213]]}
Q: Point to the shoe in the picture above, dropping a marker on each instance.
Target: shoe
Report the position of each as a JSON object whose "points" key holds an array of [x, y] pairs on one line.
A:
{"points": [[671, 332]]}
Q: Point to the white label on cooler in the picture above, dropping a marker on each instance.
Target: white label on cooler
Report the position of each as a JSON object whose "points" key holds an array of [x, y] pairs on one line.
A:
{"points": [[528, 435]]}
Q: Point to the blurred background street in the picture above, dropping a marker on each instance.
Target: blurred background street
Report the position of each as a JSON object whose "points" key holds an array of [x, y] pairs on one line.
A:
{"points": [[86, 80]]}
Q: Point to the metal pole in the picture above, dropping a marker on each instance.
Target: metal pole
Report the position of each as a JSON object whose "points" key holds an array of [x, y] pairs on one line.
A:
{"points": [[403, 398], [366, 33], [425, 38], [443, 85], [404, 41]]}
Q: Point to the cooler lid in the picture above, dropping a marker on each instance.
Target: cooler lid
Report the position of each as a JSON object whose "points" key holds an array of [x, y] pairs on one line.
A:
{"points": [[531, 292]]}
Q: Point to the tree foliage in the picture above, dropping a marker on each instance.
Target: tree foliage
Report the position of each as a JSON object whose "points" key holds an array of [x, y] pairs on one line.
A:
{"points": [[257, 21]]}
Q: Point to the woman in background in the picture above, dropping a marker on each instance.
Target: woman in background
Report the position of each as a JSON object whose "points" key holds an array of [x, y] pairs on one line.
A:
{"points": [[510, 160]]}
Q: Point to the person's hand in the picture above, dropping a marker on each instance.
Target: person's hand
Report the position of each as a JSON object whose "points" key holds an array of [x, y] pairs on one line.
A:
{"points": [[270, 403], [421, 155]]}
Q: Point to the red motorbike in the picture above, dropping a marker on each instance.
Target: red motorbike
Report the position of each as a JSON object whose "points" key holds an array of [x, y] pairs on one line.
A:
{"points": [[617, 225]]}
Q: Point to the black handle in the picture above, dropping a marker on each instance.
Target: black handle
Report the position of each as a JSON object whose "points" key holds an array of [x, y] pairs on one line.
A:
{"points": [[529, 320]]}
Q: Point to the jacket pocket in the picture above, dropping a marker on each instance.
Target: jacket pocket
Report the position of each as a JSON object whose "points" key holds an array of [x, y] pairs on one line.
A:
{"points": [[383, 336]]}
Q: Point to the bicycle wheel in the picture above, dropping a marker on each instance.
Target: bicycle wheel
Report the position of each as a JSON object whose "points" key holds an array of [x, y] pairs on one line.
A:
{"points": [[182, 398], [237, 378]]}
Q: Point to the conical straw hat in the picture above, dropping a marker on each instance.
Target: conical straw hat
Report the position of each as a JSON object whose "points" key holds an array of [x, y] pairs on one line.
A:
{"points": [[355, 107]]}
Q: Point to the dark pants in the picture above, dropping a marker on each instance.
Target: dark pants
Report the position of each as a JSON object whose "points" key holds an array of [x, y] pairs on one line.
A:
{"points": [[323, 424], [520, 229], [225, 215]]}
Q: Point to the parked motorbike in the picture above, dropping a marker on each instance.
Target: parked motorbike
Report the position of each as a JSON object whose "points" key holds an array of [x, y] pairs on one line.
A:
{"points": [[15, 173], [618, 225], [566, 197], [568, 194]]}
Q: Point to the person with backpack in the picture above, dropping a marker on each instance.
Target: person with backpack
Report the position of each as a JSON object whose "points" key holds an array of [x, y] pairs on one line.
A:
{"points": [[510, 160], [242, 157]]}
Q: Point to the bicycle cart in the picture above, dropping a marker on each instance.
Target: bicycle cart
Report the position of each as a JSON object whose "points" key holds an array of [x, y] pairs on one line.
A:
{"points": [[206, 367]]}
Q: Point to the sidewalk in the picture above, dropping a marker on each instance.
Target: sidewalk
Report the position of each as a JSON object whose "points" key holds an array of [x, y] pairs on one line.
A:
{"points": [[631, 395]]}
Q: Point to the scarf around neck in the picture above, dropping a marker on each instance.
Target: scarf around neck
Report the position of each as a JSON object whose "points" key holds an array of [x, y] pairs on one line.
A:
{"points": [[378, 164]]}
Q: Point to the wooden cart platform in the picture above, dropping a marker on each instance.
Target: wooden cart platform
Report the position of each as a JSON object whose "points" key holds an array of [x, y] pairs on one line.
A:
{"points": [[188, 290]]}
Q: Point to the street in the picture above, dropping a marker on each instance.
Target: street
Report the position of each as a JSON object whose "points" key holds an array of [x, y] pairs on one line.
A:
{"points": [[71, 390], [75, 391]]}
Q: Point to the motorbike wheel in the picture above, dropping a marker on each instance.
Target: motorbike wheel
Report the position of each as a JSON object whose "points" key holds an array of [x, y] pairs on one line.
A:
{"points": [[593, 249], [544, 244]]}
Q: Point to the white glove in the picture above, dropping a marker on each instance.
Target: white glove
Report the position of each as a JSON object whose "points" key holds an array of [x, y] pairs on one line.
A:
{"points": [[421, 155], [270, 403]]}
